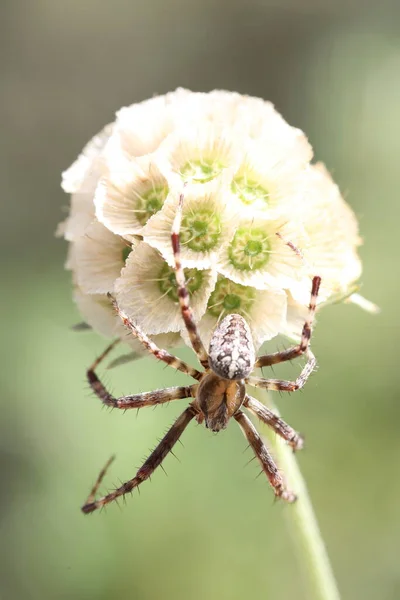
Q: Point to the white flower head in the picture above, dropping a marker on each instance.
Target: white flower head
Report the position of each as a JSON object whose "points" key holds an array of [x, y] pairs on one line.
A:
{"points": [[130, 194], [264, 310], [258, 220], [97, 259], [207, 223], [263, 253], [147, 293]]}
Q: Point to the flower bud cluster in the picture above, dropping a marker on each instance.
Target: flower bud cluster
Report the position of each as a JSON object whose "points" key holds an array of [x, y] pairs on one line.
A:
{"points": [[259, 220]]}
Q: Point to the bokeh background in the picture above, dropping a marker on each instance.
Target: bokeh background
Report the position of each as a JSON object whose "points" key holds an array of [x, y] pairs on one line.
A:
{"points": [[209, 529]]}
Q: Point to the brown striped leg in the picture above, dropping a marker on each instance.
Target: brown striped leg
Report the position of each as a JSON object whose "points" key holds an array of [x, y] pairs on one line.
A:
{"points": [[291, 353], [136, 400], [100, 478], [280, 385], [276, 423], [159, 353], [183, 294], [154, 460], [260, 450]]}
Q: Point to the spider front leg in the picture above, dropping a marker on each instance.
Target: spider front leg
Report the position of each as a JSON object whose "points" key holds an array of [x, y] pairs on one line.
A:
{"points": [[267, 463], [291, 353], [159, 353], [277, 424], [183, 294], [272, 359], [136, 400], [154, 460], [281, 385]]}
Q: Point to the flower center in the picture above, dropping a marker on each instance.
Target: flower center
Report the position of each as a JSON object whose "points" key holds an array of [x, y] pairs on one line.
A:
{"points": [[249, 191], [201, 171], [250, 249], [231, 302], [126, 250], [229, 297], [149, 203], [167, 281], [201, 230]]}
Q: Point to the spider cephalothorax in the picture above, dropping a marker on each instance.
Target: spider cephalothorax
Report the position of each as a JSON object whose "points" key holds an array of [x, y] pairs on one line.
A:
{"points": [[220, 391]]}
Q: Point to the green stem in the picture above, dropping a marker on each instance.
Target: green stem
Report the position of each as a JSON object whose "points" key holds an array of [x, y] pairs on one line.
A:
{"points": [[303, 523]]}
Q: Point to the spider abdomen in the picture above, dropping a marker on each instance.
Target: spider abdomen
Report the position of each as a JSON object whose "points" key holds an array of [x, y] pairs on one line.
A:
{"points": [[231, 351]]}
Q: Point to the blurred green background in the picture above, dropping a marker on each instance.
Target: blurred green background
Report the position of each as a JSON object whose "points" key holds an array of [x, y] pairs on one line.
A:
{"points": [[209, 530]]}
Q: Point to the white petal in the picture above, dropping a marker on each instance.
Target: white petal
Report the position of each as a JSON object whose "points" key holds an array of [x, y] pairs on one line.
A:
{"points": [[99, 313], [130, 194], [264, 311], [140, 128], [333, 237], [261, 186], [83, 174], [146, 291], [206, 225], [80, 217], [98, 259], [297, 314], [264, 253], [198, 154]]}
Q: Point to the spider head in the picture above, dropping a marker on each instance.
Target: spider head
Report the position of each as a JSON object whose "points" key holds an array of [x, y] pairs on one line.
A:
{"points": [[219, 399], [231, 353]]}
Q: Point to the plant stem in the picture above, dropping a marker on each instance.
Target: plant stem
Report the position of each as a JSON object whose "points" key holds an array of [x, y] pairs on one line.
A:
{"points": [[303, 524]]}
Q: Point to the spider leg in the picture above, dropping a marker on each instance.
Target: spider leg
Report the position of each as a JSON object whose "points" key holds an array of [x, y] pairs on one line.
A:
{"points": [[154, 460], [136, 400], [267, 463], [159, 353], [276, 423], [183, 294], [99, 479], [286, 386], [272, 359]]}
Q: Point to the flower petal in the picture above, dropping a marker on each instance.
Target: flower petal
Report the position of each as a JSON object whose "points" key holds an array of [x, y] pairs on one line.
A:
{"points": [[98, 257], [146, 291], [264, 310], [130, 195], [206, 225]]}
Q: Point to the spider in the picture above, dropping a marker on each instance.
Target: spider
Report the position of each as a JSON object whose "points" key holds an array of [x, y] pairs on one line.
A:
{"points": [[220, 390]]}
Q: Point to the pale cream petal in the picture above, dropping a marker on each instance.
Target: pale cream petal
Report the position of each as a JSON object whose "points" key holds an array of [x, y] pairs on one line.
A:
{"points": [[81, 180], [99, 256], [264, 310], [99, 313], [198, 155], [297, 313], [206, 225], [140, 128], [146, 291], [130, 194], [262, 187], [81, 215], [264, 253], [364, 303], [83, 174], [332, 232]]}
